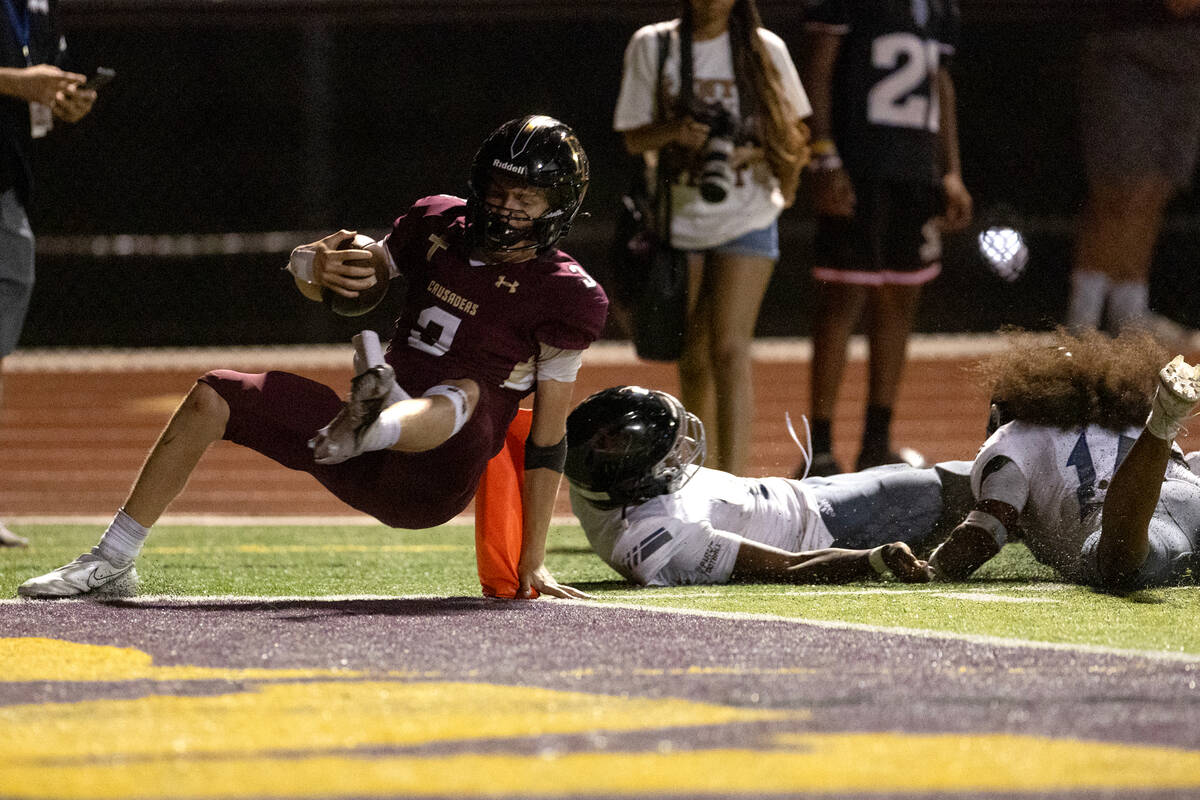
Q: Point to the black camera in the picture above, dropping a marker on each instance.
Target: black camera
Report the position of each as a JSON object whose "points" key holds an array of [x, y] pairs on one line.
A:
{"points": [[716, 175]]}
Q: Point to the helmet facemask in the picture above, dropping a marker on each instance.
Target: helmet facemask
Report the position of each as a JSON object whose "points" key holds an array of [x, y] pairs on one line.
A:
{"points": [[509, 230], [538, 152], [629, 444], [690, 448]]}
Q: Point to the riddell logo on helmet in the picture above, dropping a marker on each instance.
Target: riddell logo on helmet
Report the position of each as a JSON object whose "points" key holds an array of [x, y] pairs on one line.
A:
{"points": [[507, 166]]}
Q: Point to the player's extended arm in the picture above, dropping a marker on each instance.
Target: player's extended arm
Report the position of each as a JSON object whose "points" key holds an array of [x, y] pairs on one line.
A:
{"points": [[762, 562], [1003, 493], [347, 272], [551, 404], [974, 542]]}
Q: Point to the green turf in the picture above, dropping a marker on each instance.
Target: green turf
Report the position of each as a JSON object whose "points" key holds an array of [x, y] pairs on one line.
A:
{"points": [[1012, 597]]}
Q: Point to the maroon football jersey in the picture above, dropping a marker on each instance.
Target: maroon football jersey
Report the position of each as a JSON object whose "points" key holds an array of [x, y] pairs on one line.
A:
{"points": [[468, 319]]}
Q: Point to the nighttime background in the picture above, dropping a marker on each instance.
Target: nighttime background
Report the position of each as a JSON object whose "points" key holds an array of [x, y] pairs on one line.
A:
{"points": [[243, 117]]}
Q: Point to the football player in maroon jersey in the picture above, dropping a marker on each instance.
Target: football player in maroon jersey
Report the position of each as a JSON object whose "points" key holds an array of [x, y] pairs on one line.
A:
{"points": [[493, 312]]}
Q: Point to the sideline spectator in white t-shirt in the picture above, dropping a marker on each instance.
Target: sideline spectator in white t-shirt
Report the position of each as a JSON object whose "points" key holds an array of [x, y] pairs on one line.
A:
{"points": [[734, 144]]}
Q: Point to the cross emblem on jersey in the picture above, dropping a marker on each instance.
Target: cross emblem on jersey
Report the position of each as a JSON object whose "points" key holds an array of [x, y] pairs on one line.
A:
{"points": [[436, 243], [512, 285]]}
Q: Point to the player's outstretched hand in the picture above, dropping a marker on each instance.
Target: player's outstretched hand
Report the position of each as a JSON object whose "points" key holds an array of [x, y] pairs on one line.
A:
{"points": [[349, 271], [905, 565], [545, 584]]}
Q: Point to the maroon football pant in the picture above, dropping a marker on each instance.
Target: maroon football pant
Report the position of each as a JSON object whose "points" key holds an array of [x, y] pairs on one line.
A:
{"points": [[276, 413]]}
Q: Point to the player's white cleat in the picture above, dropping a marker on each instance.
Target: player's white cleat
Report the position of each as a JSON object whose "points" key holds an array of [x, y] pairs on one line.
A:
{"points": [[342, 438], [10, 539], [1176, 397], [89, 574]]}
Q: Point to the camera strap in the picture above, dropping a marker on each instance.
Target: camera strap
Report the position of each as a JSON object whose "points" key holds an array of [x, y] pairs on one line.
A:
{"points": [[741, 64], [661, 197]]}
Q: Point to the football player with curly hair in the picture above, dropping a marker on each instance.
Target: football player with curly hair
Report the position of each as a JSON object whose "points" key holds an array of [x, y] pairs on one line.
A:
{"points": [[493, 313], [1081, 463]]}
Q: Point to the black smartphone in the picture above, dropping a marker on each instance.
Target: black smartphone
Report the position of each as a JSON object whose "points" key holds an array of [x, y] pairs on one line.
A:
{"points": [[102, 78]]}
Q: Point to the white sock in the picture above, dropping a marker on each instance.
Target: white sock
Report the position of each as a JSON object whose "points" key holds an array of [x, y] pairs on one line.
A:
{"points": [[383, 432], [1086, 305], [123, 540], [1127, 302]]}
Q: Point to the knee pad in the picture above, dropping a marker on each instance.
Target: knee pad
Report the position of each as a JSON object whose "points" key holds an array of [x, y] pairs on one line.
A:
{"points": [[457, 396]]}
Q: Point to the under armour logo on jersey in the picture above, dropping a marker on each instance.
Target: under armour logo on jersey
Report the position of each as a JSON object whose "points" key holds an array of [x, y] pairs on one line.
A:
{"points": [[39, 6], [512, 285], [437, 243]]}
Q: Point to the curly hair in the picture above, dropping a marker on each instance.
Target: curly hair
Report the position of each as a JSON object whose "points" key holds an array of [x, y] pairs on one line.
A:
{"points": [[1070, 379]]}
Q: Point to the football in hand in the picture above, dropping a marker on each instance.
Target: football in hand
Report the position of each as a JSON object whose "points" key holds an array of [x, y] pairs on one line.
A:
{"points": [[367, 300]]}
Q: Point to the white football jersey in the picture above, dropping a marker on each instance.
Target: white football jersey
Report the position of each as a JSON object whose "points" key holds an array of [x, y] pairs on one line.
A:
{"points": [[692, 536], [1068, 474]]}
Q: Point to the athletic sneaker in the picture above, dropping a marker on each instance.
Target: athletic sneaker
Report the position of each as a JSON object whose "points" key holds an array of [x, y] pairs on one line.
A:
{"points": [[89, 574], [905, 455], [1178, 389], [10, 539], [341, 439]]}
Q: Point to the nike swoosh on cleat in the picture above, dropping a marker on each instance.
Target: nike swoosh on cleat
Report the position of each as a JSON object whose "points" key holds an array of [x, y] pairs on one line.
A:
{"points": [[96, 579]]}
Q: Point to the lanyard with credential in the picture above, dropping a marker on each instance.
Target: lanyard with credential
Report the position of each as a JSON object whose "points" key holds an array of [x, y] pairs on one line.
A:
{"points": [[41, 120], [19, 17]]}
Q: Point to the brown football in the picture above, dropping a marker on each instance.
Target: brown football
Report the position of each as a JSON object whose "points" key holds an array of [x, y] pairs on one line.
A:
{"points": [[367, 300]]}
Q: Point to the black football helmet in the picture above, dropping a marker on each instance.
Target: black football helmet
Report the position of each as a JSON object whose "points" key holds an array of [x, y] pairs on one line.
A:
{"points": [[542, 152], [627, 444]]}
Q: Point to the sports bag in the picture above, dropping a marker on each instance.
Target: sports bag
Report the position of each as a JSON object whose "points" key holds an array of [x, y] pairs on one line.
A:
{"points": [[651, 275]]}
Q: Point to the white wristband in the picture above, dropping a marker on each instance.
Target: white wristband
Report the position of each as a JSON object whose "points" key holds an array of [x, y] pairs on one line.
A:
{"points": [[985, 521], [301, 263], [875, 558]]}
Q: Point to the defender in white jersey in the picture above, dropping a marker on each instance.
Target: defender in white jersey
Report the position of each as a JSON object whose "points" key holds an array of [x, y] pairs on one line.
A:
{"points": [[659, 519], [1102, 501]]}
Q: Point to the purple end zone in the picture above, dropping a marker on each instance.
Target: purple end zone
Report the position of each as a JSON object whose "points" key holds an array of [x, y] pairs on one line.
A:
{"points": [[850, 680]]}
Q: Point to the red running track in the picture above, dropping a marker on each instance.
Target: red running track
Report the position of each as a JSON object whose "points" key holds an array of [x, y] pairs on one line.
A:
{"points": [[71, 442]]}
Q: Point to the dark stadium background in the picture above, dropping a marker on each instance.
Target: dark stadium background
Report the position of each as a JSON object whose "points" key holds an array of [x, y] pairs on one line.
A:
{"points": [[249, 117]]}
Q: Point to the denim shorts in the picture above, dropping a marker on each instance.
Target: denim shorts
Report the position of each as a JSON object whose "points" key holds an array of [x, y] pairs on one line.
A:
{"points": [[762, 242]]}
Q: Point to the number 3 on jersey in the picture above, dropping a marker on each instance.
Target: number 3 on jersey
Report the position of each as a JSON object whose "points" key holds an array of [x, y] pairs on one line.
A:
{"points": [[434, 331], [899, 100]]}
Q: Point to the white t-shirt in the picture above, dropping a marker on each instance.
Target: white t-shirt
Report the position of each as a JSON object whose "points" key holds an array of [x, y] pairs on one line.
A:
{"points": [[756, 199], [692, 536]]}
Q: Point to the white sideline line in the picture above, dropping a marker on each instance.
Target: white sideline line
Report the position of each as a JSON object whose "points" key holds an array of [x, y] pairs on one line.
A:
{"points": [[973, 638], [336, 356], [991, 641]]}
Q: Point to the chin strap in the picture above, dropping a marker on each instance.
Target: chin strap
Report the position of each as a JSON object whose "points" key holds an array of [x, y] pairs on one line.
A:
{"points": [[805, 451]]}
